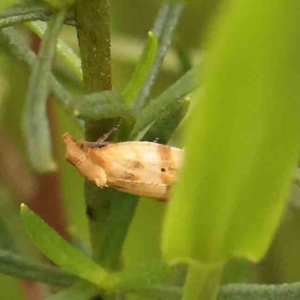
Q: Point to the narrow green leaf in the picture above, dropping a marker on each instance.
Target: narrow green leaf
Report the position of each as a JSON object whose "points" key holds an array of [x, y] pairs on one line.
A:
{"points": [[260, 291], [242, 143], [24, 12], [142, 277], [59, 4], [233, 292], [14, 265], [122, 209], [163, 28], [104, 105], [12, 20], [67, 53], [142, 69], [167, 122], [35, 125], [24, 8], [182, 56], [17, 46], [60, 251], [80, 291], [183, 86], [95, 99]]}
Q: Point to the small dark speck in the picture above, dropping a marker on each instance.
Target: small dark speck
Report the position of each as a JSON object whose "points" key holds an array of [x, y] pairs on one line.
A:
{"points": [[163, 169]]}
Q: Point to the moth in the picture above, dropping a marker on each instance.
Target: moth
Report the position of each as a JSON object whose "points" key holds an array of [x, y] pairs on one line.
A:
{"points": [[139, 168]]}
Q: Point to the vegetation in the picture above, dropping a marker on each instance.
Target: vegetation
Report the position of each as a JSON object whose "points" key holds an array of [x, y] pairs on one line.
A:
{"points": [[226, 91]]}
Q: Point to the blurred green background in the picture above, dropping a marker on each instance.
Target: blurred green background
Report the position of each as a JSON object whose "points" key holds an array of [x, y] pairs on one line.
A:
{"points": [[131, 20]]}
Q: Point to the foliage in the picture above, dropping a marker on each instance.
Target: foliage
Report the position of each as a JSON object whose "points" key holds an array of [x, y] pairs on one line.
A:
{"points": [[239, 113]]}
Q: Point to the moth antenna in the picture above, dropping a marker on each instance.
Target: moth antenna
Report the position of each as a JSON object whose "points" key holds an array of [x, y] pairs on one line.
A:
{"points": [[105, 136]]}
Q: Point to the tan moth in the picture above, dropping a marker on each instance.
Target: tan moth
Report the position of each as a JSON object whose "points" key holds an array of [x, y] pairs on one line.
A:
{"points": [[140, 168]]}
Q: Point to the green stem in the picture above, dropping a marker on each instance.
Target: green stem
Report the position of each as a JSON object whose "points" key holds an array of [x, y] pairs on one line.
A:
{"points": [[93, 18], [202, 282]]}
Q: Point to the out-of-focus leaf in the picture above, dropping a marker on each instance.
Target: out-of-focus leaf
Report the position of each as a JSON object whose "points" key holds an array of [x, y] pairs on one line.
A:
{"points": [[142, 69], [243, 142], [234, 292], [60, 251], [59, 4], [24, 12], [143, 277], [167, 122], [183, 86], [14, 265], [80, 291], [16, 44], [260, 291], [6, 21], [67, 53], [163, 28], [104, 105], [35, 121]]}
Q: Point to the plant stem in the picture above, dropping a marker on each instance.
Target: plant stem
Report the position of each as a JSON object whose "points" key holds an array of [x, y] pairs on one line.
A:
{"points": [[202, 282], [93, 18]]}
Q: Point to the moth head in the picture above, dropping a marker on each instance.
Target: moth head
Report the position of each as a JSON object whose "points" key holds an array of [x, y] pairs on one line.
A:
{"points": [[74, 153]]}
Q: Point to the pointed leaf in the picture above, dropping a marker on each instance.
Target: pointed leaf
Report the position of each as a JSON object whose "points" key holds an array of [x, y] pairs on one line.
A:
{"points": [[66, 52], [14, 265], [142, 69], [35, 123], [242, 143], [81, 291], [183, 86], [163, 28], [60, 251], [103, 105]]}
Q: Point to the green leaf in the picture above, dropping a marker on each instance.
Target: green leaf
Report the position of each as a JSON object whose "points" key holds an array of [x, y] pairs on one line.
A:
{"points": [[142, 277], [103, 105], [14, 265], [22, 13], [80, 291], [96, 99], [24, 8], [260, 291], [142, 69], [233, 292], [183, 86], [163, 28], [17, 46], [35, 123], [67, 53], [60, 251], [59, 4], [122, 209], [242, 143], [167, 122]]}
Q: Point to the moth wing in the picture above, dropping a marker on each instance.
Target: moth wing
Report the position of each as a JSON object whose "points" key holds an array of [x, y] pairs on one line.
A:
{"points": [[146, 189], [137, 166]]}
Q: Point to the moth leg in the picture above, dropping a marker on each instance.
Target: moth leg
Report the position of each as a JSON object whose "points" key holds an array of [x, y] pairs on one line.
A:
{"points": [[85, 145], [105, 136]]}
